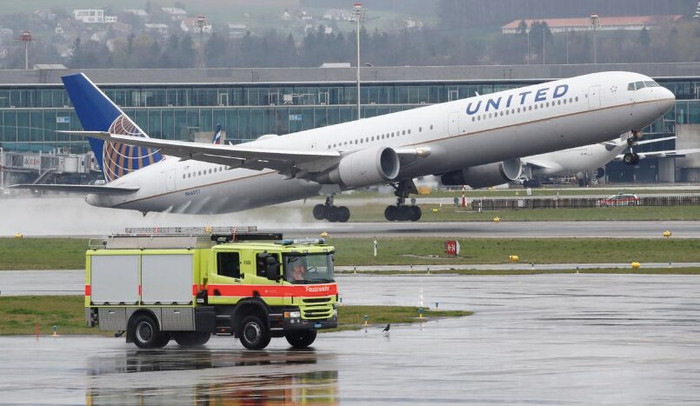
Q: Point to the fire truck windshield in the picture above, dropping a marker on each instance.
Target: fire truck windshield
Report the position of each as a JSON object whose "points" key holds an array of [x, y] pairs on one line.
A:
{"points": [[308, 268]]}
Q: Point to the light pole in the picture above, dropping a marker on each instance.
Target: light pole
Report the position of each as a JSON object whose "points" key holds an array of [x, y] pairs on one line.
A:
{"points": [[357, 15], [544, 48], [528, 44], [595, 23], [201, 21], [26, 37]]}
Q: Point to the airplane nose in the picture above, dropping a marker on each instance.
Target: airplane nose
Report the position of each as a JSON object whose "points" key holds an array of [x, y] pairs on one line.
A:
{"points": [[666, 100]]}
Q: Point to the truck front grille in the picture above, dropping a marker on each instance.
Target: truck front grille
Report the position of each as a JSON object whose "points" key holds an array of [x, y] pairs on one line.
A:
{"points": [[316, 313], [317, 300]]}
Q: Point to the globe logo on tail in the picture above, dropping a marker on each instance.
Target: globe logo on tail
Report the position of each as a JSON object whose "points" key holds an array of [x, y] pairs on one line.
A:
{"points": [[120, 159]]}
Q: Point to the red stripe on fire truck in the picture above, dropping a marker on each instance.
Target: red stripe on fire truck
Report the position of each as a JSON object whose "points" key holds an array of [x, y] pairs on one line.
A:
{"points": [[273, 291]]}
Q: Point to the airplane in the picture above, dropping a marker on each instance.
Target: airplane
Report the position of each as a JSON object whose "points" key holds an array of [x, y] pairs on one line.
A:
{"points": [[217, 135], [592, 158], [476, 141]]}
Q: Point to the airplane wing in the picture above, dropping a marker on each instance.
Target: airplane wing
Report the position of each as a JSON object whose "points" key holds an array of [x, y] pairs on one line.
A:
{"points": [[235, 156], [293, 163], [82, 189], [538, 163], [654, 140], [663, 154]]}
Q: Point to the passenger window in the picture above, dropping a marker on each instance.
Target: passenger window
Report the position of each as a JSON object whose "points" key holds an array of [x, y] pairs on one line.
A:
{"points": [[228, 264]]}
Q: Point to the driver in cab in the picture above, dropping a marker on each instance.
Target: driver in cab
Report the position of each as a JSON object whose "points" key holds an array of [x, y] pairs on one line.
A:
{"points": [[298, 272]]}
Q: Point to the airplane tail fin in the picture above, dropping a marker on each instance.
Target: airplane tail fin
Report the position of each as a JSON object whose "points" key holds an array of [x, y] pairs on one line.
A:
{"points": [[98, 113], [217, 135]]}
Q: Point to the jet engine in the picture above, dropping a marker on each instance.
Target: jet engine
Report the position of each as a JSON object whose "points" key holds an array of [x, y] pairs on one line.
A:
{"points": [[480, 176], [365, 167]]}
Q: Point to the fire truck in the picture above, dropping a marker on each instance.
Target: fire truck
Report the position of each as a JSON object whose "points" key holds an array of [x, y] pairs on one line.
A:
{"points": [[187, 284]]}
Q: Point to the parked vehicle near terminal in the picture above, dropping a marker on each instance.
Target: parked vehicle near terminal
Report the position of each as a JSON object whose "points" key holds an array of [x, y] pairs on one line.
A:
{"points": [[175, 284], [620, 199]]}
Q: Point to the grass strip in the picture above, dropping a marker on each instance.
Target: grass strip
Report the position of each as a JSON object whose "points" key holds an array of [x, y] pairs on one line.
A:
{"points": [[66, 253], [43, 253], [20, 315], [430, 250], [449, 213]]}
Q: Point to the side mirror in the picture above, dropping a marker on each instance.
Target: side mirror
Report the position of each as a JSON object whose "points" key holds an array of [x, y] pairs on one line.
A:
{"points": [[272, 269]]}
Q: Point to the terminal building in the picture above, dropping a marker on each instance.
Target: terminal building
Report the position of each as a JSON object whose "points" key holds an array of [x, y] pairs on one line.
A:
{"points": [[188, 104]]}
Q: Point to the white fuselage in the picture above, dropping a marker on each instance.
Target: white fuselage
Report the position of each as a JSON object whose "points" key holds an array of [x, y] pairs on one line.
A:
{"points": [[574, 160], [469, 132]]}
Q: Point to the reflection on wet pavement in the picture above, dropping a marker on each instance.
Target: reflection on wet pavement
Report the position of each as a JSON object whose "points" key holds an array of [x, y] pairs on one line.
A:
{"points": [[239, 385]]}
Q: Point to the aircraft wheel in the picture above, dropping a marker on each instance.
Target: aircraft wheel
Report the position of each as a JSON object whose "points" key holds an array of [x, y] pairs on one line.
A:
{"points": [[343, 214], [333, 214], [628, 158], [391, 213], [319, 212], [415, 213]]}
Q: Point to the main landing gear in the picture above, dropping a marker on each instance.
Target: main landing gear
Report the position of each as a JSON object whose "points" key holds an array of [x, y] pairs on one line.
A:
{"points": [[401, 212], [631, 158], [328, 211]]}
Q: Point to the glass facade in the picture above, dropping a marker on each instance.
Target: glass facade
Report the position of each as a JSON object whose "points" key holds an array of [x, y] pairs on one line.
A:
{"points": [[30, 115]]}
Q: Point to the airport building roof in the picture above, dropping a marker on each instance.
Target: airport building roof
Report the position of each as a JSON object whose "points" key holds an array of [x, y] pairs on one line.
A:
{"points": [[50, 75], [557, 25]]}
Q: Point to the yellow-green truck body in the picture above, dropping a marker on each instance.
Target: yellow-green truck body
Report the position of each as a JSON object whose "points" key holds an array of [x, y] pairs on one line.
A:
{"points": [[188, 288]]}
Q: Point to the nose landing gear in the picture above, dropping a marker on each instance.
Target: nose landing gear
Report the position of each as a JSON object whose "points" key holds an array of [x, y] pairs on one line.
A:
{"points": [[631, 158]]}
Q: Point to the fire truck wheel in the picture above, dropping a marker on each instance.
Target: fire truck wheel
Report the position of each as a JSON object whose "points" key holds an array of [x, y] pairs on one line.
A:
{"points": [[300, 338], [191, 338], [253, 333], [162, 340], [147, 334]]}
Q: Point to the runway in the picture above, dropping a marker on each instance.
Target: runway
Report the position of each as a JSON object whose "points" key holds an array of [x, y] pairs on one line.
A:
{"points": [[70, 216], [541, 339]]}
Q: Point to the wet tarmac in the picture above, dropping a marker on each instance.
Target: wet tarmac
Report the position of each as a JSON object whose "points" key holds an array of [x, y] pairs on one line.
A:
{"points": [[71, 216], [539, 339]]}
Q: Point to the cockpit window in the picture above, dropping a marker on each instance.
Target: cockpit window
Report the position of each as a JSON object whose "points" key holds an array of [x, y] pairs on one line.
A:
{"points": [[641, 85]]}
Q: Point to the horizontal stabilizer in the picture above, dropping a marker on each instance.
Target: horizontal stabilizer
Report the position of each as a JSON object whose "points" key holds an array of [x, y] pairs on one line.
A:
{"points": [[80, 189]]}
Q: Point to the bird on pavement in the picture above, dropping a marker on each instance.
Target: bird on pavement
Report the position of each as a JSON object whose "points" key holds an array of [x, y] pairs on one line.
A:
{"points": [[386, 329]]}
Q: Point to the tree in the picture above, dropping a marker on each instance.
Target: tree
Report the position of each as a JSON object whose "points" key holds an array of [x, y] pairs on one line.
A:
{"points": [[540, 36]]}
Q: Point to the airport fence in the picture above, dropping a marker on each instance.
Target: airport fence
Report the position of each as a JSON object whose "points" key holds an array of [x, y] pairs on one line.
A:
{"points": [[576, 202]]}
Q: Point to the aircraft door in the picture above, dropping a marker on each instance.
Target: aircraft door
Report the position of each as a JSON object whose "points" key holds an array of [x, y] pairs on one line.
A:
{"points": [[453, 123], [594, 97], [169, 180]]}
